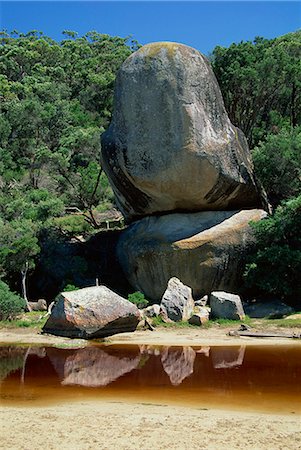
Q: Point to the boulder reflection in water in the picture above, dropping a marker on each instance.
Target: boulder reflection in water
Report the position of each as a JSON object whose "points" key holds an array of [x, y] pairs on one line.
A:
{"points": [[94, 367], [178, 364]]}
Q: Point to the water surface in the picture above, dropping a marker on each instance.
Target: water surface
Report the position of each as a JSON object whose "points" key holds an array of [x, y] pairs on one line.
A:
{"points": [[259, 378]]}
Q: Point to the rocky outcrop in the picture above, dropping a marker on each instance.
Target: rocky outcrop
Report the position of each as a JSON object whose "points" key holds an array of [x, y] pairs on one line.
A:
{"points": [[204, 250], [226, 306], [177, 303], [91, 313], [171, 146]]}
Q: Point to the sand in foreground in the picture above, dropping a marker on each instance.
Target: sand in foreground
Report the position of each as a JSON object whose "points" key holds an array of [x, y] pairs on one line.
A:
{"points": [[126, 426]]}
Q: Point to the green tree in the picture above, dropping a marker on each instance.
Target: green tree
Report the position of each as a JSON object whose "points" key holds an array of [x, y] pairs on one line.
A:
{"points": [[258, 79], [274, 269], [18, 250], [277, 162]]}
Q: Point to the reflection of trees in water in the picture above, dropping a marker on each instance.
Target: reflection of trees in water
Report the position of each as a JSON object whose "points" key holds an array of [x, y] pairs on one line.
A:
{"points": [[11, 359]]}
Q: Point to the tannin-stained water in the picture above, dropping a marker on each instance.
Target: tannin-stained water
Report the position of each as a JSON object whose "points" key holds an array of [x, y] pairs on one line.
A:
{"points": [[254, 378]]}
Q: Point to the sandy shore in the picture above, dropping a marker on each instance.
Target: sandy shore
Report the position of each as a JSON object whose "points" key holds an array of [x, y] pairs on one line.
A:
{"points": [[161, 336], [126, 426]]}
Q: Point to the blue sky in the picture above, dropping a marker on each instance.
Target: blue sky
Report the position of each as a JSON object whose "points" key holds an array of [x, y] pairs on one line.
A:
{"points": [[202, 25]]}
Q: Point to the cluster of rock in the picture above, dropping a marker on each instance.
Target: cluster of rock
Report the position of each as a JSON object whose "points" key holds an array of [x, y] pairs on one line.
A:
{"points": [[177, 305], [97, 312], [181, 172]]}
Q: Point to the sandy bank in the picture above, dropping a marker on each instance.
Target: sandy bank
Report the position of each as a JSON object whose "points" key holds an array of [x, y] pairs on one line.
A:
{"points": [[161, 336], [126, 426]]}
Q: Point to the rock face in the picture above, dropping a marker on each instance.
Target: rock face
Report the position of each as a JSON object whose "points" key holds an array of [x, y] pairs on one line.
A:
{"points": [[204, 250], [275, 309], [91, 313], [177, 302], [226, 306], [171, 146]]}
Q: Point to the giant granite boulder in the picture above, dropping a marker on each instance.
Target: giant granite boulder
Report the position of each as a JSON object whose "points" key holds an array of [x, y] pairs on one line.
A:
{"points": [[91, 313], [204, 250], [171, 146]]}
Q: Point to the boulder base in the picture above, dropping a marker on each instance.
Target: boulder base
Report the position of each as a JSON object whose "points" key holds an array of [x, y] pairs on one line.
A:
{"points": [[204, 250], [91, 313], [171, 145]]}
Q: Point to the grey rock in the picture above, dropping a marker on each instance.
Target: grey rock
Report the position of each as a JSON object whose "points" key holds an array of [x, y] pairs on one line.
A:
{"points": [[91, 313], [205, 250], [226, 306], [40, 305], [177, 302], [275, 309], [171, 145]]}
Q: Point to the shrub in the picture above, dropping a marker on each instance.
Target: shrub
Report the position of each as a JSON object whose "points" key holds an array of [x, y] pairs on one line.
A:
{"points": [[275, 267], [70, 287], [138, 299], [11, 304]]}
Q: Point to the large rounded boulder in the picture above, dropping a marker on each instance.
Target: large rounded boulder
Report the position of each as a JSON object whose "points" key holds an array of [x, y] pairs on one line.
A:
{"points": [[91, 313], [205, 250], [170, 145]]}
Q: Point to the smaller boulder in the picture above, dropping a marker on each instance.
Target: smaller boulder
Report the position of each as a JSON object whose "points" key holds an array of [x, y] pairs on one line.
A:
{"points": [[40, 305], [151, 311], [275, 309], [91, 313], [226, 306], [200, 316], [177, 303]]}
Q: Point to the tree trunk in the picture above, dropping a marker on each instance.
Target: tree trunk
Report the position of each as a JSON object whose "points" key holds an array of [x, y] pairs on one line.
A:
{"points": [[24, 290]]}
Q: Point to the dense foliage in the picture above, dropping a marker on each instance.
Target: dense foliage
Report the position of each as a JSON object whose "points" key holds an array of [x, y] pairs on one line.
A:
{"points": [[276, 265], [56, 99], [10, 304], [261, 84]]}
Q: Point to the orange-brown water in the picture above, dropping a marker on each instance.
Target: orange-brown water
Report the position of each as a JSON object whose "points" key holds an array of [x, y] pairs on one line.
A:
{"points": [[250, 378]]}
